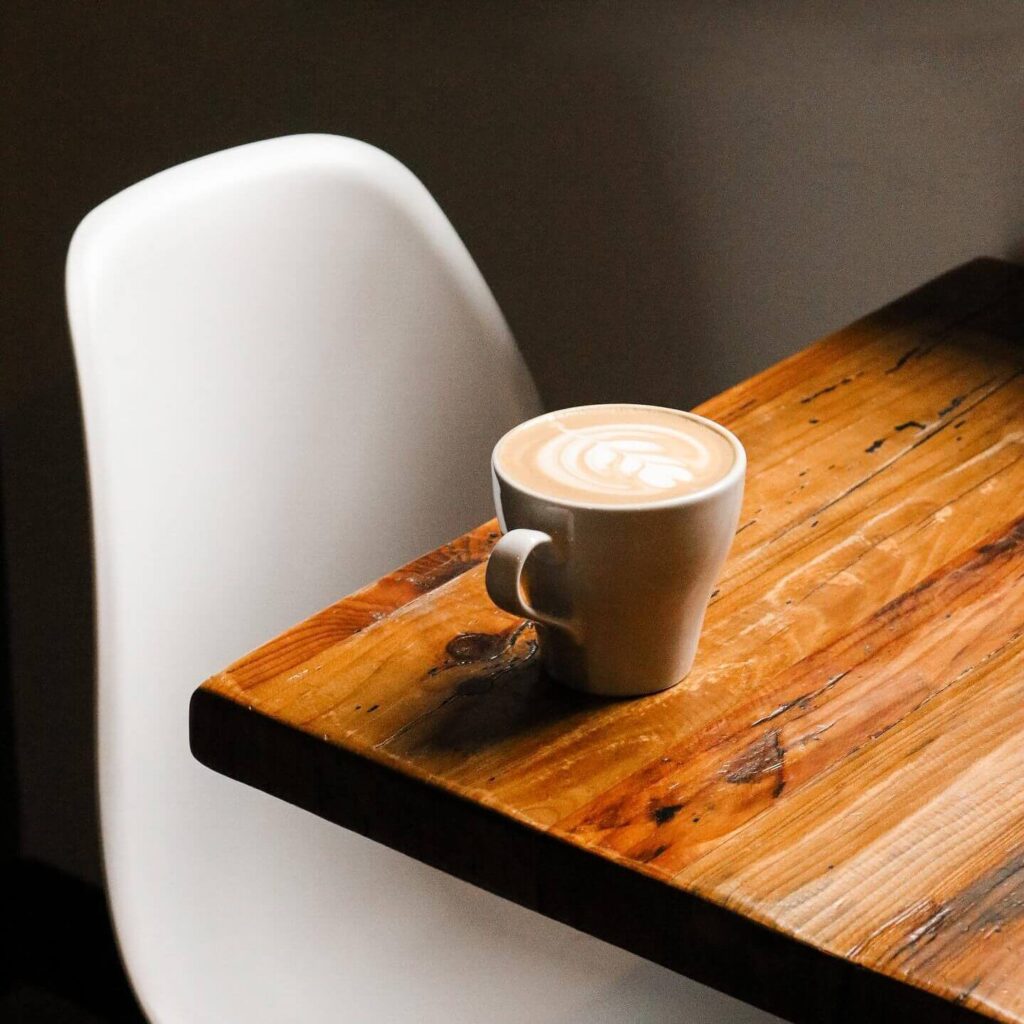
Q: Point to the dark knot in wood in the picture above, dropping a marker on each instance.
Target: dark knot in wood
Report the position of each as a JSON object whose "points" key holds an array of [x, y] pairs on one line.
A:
{"points": [[468, 647], [664, 814]]}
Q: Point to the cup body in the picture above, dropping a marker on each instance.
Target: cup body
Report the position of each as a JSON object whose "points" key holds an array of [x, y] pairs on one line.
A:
{"points": [[634, 581]]}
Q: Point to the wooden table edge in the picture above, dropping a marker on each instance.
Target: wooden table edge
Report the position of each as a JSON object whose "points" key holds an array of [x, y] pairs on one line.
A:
{"points": [[584, 889]]}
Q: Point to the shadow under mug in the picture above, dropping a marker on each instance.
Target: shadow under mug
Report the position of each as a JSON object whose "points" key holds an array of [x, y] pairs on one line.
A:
{"points": [[618, 592]]}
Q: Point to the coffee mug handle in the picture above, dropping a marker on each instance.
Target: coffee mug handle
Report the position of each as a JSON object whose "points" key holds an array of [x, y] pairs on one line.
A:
{"points": [[504, 577]]}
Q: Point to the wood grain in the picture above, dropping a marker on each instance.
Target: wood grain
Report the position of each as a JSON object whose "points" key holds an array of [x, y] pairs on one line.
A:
{"points": [[826, 818]]}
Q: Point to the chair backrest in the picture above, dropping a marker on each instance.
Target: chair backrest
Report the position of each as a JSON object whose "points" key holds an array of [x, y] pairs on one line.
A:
{"points": [[291, 375]]}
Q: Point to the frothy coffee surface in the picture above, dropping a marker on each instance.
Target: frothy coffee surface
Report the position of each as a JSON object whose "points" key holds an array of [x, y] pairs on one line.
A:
{"points": [[615, 455]]}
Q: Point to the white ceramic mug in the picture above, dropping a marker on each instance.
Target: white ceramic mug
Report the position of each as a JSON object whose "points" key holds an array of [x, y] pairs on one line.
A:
{"points": [[618, 592]]}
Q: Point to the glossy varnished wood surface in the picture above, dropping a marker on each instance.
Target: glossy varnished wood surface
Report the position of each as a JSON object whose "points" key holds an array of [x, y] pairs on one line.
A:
{"points": [[826, 817]]}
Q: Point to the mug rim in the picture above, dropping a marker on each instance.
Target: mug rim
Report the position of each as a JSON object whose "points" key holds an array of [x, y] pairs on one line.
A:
{"points": [[737, 471]]}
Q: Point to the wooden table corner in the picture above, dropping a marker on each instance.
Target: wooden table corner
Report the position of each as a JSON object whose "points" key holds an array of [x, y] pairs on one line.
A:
{"points": [[826, 818]]}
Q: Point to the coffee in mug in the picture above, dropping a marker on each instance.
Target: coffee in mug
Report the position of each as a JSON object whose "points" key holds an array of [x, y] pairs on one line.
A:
{"points": [[616, 521], [615, 455]]}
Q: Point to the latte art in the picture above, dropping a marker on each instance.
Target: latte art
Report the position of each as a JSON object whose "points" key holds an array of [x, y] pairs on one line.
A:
{"points": [[615, 454], [633, 457]]}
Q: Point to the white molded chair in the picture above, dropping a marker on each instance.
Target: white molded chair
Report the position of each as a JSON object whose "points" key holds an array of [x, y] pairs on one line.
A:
{"points": [[292, 374]]}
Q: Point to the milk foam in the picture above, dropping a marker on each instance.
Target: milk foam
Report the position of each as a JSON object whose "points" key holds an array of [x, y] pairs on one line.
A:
{"points": [[616, 454]]}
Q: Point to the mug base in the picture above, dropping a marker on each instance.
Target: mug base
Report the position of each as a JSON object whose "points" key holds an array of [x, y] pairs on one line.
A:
{"points": [[624, 686], [567, 663]]}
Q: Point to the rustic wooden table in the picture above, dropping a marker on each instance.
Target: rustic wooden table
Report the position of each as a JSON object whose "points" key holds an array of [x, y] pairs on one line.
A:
{"points": [[826, 818]]}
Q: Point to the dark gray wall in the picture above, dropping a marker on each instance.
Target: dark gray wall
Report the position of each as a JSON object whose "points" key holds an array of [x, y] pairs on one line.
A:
{"points": [[665, 197]]}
